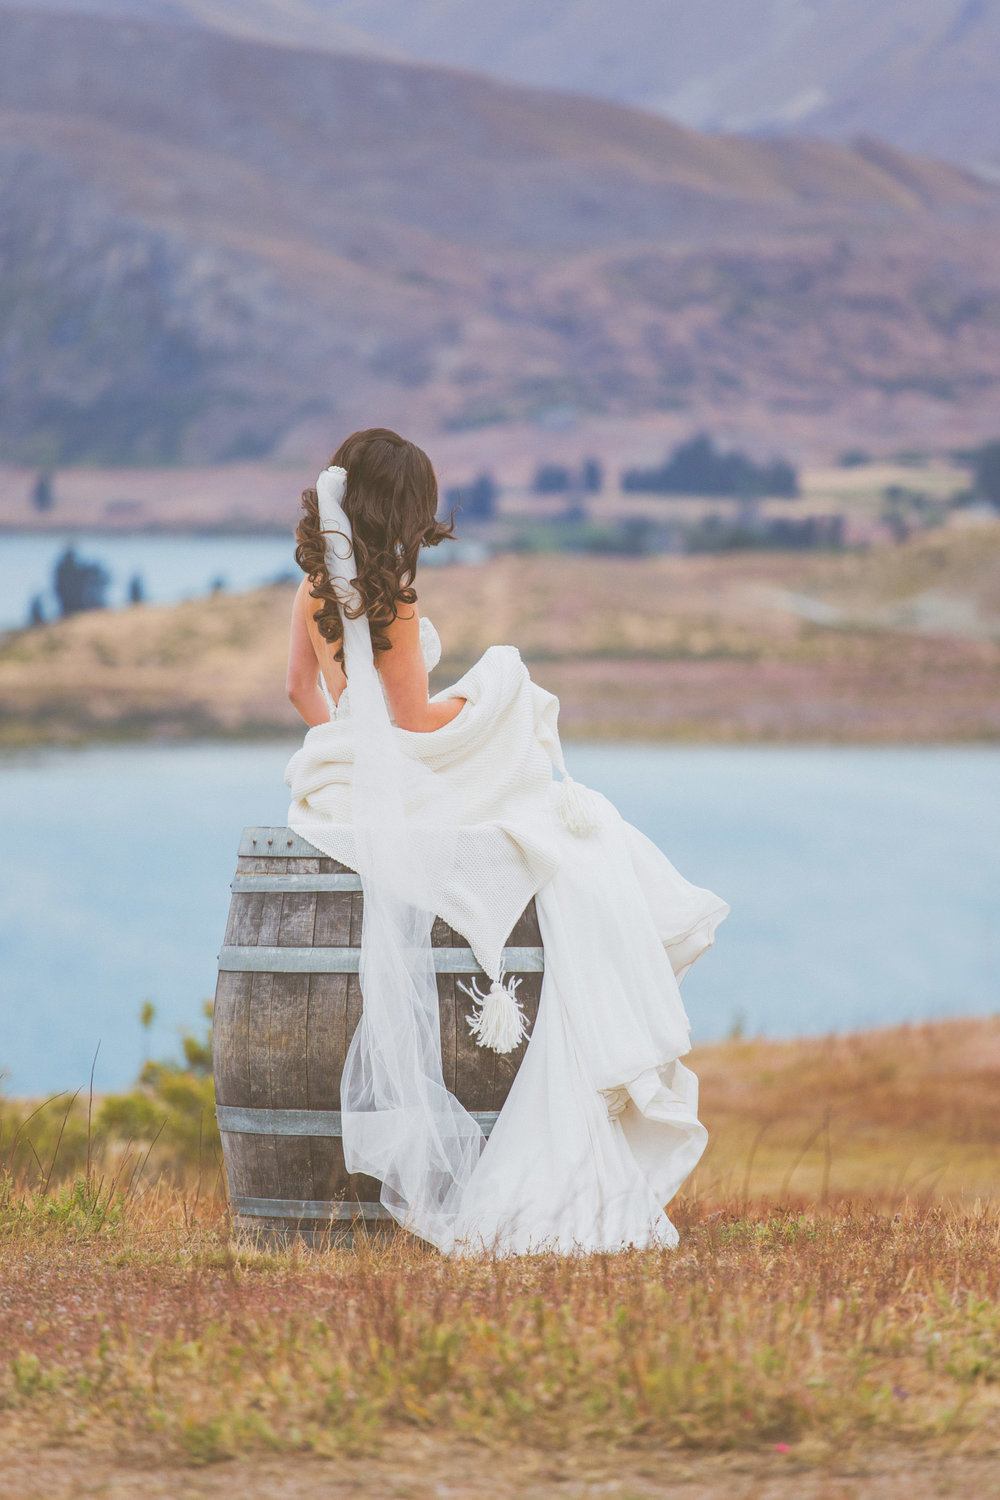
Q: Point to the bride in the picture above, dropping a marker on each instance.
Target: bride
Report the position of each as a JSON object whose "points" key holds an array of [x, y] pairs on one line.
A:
{"points": [[448, 806]]}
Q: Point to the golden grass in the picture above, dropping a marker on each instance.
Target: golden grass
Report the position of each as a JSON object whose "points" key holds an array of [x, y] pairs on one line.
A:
{"points": [[902, 1112], [820, 1327], [653, 648], [835, 1291]]}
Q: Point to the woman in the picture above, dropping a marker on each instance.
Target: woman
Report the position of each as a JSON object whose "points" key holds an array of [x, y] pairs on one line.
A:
{"points": [[447, 805]]}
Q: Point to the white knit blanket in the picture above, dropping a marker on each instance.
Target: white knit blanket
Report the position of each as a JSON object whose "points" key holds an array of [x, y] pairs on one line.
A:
{"points": [[498, 755]]}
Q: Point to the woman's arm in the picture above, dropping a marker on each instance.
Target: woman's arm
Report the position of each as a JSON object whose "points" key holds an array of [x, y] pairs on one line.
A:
{"points": [[302, 678], [404, 674]]}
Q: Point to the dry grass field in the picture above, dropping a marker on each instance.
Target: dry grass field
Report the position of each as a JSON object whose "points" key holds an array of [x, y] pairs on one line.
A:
{"points": [[897, 644], [827, 1327]]}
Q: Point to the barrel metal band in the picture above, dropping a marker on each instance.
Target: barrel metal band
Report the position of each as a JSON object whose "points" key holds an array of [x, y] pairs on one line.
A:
{"points": [[298, 1209], [244, 883], [237, 1120], [277, 843], [256, 960]]}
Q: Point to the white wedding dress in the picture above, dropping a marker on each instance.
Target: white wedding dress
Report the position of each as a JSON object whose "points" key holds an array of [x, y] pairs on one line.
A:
{"points": [[601, 1126]]}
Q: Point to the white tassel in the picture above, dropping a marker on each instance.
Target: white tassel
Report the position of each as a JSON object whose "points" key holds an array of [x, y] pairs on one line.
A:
{"points": [[575, 808], [500, 1023]]}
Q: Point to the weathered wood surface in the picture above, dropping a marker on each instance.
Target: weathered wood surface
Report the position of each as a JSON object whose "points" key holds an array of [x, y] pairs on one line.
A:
{"points": [[282, 1030]]}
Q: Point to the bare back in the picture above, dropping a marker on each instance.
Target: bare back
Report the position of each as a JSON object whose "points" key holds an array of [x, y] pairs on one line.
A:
{"points": [[324, 652], [403, 669]]}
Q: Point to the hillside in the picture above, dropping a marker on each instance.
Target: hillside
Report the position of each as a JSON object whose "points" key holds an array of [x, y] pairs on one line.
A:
{"points": [[921, 73], [722, 648], [215, 249]]}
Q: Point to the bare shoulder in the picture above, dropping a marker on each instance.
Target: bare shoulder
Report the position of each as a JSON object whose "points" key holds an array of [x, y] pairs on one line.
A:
{"points": [[405, 628]]}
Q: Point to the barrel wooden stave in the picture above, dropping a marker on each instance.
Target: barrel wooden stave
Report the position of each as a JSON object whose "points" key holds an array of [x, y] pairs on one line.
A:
{"points": [[281, 1038], [282, 1048]]}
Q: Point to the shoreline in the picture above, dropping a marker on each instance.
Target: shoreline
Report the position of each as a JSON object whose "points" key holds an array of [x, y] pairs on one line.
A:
{"points": [[267, 735], [893, 647]]}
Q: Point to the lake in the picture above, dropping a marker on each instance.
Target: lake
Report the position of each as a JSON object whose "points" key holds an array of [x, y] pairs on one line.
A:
{"points": [[864, 885], [171, 567]]}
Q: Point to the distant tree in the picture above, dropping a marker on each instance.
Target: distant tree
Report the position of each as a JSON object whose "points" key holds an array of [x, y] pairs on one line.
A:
{"points": [[717, 533], [136, 589], [42, 497], [575, 512], [592, 476], [811, 532], [79, 585], [218, 585], [697, 467], [36, 611], [780, 479], [449, 501], [853, 458], [987, 472], [480, 499], [551, 479], [477, 501], [896, 513]]}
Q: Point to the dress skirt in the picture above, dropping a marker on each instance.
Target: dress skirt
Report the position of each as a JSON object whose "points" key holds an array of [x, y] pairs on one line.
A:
{"points": [[601, 1125]]}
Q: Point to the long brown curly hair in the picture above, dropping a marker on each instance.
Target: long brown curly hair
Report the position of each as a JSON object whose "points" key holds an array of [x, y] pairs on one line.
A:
{"points": [[391, 499]]}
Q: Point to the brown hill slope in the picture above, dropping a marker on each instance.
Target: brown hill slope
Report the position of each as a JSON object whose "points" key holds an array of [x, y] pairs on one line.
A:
{"points": [[697, 648], [405, 137], [920, 72], [213, 248]]}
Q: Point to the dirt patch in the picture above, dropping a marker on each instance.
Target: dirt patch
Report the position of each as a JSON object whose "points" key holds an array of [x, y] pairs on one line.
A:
{"points": [[422, 1469]]}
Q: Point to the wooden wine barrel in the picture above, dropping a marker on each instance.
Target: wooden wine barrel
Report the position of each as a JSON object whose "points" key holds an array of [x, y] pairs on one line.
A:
{"points": [[286, 1005]]}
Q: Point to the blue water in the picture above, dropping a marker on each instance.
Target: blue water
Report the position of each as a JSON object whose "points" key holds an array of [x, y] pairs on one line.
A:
{"points": [[864, 885], [171, 567]]}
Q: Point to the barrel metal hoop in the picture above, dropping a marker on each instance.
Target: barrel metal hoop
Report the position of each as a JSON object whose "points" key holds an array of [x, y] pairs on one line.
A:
{"points": [[277, 843], [256, 960], [234, 1119], [298, 1209], [245, 883]]}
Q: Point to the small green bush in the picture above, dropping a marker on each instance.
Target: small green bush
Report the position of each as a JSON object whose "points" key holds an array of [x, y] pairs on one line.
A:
{"points": [[168, 1114]]}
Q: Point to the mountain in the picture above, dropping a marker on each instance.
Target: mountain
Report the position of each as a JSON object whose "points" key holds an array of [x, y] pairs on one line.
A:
{"points": [[213, 248], [920, 73]]}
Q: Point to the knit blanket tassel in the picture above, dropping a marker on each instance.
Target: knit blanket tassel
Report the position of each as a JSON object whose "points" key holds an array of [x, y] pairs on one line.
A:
{"points": [[499, 1023], [575, 808]]}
